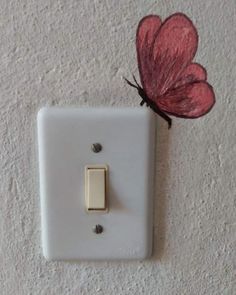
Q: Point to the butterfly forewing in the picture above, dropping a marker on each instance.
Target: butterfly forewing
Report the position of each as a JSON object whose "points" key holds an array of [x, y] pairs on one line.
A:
{"points": [[145, 36]]}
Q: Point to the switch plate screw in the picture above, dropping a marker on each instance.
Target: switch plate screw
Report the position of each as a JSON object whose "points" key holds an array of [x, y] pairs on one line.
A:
{"points": [[96, 147], [98, 229]]}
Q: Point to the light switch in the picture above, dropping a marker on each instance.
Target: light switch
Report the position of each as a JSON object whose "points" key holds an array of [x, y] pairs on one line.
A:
{"points": [[96, 203], [95, 188]]}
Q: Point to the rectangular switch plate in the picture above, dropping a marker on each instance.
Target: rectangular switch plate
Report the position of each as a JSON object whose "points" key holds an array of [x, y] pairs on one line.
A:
{"points": [[65, 137]]}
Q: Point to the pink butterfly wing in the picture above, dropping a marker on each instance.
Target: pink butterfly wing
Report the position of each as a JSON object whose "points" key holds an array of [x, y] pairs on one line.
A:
{"points": [[145, 36], [192, 73], [191, 100], [173, 49]]}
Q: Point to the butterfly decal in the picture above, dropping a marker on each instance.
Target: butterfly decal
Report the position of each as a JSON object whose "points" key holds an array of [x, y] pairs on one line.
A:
{"points": [[172, 84]]}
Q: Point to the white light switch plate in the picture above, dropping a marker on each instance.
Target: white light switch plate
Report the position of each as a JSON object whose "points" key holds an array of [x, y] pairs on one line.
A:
{"points": [[65, 136]]}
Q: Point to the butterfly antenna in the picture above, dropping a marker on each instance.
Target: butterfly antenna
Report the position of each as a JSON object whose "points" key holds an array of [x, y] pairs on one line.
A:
{"points": [[138, 87], [136, 82], [129, 83]]}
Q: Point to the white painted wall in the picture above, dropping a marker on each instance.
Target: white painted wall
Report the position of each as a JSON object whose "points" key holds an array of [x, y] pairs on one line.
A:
{"points": [[74, 53]]}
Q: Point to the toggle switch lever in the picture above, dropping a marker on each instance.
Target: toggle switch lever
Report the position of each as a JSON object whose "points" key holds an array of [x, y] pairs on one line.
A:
{"points": [[96, 188]]}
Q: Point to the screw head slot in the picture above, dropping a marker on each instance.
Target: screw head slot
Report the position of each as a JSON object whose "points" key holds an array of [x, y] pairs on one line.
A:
{"points": [[98, 229], [96, 147]]}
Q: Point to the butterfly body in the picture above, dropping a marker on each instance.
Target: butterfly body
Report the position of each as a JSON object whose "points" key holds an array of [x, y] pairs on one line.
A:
{"points": [[171, 83], [148, 102]]}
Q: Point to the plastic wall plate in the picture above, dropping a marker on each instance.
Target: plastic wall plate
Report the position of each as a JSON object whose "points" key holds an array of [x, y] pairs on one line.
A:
{"points": [[65, 136]]}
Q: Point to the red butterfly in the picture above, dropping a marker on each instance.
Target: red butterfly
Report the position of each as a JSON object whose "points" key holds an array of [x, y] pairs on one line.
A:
{"points": [[172, 83]]}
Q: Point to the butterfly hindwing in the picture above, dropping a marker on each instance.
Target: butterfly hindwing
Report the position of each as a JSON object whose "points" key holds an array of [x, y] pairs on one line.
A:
{"points": [[192, 73], [191, 100]]}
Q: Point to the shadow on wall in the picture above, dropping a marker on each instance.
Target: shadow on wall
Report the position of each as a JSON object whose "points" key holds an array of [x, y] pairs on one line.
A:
{"points": [[160, 192]]}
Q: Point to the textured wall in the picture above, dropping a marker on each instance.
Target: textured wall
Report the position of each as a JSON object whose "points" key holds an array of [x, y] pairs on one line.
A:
{"points": [[74, 53]]}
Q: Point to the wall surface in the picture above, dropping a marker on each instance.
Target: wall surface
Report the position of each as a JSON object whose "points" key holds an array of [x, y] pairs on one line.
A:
{"points": [[75, 53]]}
